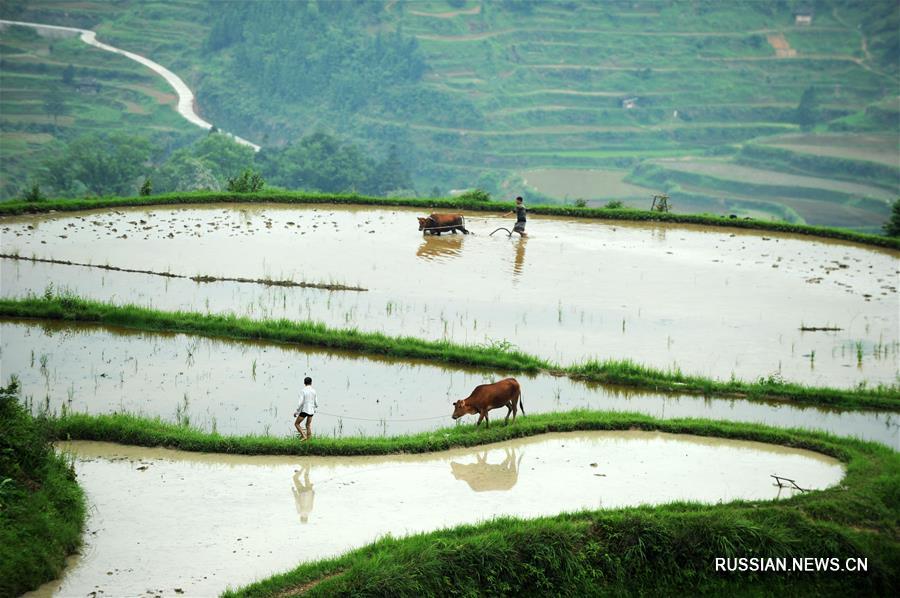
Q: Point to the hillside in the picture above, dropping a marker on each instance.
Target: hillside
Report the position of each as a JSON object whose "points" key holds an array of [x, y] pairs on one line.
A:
{"points": [[731, 108]]}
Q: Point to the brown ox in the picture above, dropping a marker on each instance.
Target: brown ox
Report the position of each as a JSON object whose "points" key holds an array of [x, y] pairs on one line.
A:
{"points": [[505, 393], [443, 223]]}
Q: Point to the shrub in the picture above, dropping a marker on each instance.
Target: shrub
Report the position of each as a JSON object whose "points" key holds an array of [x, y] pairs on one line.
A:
{"points": [[580, 203], [41, 507], [147, 187], [34, 194], [476, 195], [248, 182], [892, 226], [614, 205]]}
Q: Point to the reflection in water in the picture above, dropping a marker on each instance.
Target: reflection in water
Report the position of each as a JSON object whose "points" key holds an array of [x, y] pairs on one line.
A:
{"points": [[303, 493], [434, 248], [483, 476], [520, 256]]}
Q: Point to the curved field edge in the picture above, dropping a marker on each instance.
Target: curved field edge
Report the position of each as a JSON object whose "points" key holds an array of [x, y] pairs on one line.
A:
{"points": [[666, 550], [294, 197], [75, 309], [42, 508]]}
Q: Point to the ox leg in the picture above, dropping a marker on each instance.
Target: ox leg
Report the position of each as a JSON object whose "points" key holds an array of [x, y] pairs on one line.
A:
{"points": [[480, 417]]}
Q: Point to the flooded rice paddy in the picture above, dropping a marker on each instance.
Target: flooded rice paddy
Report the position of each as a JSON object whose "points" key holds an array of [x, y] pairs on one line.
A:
{"points": [[164, 522], [238, 387], [708, 301]]}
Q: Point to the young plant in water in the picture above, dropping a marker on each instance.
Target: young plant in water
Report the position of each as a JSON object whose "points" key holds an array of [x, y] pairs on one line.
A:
{"points": [[859, 353], [253, 369], [181, 413]]}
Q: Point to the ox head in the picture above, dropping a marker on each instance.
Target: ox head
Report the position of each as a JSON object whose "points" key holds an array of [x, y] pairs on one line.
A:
{"points": [[423, 223], [461, 408]]}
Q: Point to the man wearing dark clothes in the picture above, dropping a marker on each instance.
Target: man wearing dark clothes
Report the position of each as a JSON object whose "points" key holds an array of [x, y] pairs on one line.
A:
{"points": [[520, 217]]}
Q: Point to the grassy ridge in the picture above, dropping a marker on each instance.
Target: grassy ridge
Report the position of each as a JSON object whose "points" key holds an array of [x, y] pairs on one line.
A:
{"points": [[42, 509], [667, 549], [297, 197], [70, 308]]}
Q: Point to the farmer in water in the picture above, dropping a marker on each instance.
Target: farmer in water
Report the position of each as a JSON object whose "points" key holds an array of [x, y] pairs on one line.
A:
{"points": [[306, 409], [520, 217]]}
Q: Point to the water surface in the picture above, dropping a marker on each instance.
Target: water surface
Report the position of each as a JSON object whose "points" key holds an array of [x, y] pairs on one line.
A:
{"points": [[708, 301], [238, 387], [163, 521]]}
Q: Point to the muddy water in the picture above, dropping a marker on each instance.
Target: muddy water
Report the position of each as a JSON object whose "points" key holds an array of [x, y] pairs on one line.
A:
{"points": [[163, 521], [252, 388], [713, 302]]}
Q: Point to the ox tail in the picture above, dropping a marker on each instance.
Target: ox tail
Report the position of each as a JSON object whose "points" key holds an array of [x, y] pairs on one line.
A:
{"points": [[521, 401]]}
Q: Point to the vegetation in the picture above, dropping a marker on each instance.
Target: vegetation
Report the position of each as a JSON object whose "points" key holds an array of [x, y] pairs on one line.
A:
{"points": [[892, 226], [34, 193], [42, 509], [271, 282], [475, 195], [294, 197], [70, 308], [247, 182], [465, 91], [97, 165]]}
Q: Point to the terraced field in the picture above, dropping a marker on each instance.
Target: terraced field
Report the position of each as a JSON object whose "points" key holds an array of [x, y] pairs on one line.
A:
{"points": [[561, 86], [551, 84], [105, 93], [721, 302]]}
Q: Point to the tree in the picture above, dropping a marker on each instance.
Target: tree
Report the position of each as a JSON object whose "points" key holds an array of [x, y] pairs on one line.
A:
{"points": [[318, 162], [223, 154], [389, 175], [68, 76], [892, 226], [55, 104], [807, 109], [146, 188], [183, 172], [33, 194], [98, 164]]}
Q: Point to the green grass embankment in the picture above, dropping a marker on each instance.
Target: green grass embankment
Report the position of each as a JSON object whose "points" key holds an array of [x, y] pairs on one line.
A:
{"points": [[42, 509], [75, 309], [665, 550], [300, 198]]}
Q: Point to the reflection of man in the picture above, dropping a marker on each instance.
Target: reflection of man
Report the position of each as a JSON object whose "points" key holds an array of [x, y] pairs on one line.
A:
{"points": [[520, 256], [303, 493]]}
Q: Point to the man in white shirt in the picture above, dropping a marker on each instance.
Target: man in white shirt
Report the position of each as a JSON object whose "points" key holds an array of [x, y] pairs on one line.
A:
{"points": [[306, 409]]}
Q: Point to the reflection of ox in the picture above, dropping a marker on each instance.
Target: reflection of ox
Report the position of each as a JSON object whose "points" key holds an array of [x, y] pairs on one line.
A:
{"points": [[483, 476], [439, 249], [485, 397], [443, 223]]}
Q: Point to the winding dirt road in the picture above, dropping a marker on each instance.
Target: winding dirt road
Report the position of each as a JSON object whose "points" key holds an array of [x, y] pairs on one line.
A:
{"points": [[186, 99]]}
